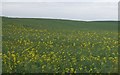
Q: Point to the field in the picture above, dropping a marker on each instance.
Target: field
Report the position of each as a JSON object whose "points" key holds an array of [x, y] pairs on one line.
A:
{"points": [[59, 46]]}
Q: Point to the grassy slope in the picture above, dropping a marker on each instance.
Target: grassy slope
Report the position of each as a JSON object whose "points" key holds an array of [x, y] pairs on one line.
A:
{"points": [[63, 24], [66, 36]]}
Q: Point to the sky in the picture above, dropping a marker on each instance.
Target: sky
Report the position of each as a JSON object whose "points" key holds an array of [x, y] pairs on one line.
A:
{"points": [[62, 9], [60, 0]]}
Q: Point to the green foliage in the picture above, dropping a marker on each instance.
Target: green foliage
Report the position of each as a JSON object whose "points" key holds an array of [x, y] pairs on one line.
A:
{"points": [[59, 46]]}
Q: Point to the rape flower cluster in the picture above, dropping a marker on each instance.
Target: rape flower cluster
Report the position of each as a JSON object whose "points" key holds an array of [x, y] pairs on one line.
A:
{"points": [[30, 50]]}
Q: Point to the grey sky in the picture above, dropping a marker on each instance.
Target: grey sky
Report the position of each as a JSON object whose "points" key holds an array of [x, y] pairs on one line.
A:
{"points": [[66, 10], [60, 0]]}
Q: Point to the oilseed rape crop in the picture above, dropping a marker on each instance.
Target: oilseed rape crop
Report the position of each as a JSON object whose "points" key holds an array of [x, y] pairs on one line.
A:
{"points": [[33, 47]]}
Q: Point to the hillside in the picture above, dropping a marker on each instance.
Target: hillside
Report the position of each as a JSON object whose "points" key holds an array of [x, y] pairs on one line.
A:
{"points": [[59, 46], [57, 24]]}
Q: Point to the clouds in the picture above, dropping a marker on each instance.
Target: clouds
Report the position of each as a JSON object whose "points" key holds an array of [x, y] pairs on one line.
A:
{"points": [[0, 8], [64, 10], [60, 0]]}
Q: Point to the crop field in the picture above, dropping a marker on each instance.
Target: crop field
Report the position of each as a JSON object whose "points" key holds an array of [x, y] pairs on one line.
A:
{"points": [[59, 46]]}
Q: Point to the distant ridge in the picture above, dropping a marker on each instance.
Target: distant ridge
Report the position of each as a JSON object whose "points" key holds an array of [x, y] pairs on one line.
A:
{"points": [[60, 19], [63, 24]]}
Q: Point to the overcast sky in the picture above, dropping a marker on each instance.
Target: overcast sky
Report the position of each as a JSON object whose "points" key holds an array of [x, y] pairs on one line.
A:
{"points": [[60, 0], [72, 9]]}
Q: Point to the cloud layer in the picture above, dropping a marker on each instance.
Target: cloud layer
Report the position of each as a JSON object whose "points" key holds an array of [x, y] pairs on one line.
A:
{"points": [[60, 0], [63, 10]]}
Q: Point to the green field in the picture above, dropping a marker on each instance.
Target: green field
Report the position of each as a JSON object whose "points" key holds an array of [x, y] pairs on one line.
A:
{"points": [[59, 46]]}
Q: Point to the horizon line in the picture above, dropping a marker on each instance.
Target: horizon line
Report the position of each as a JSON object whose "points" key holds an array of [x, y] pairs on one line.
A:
{"points": [[57, 18]]}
